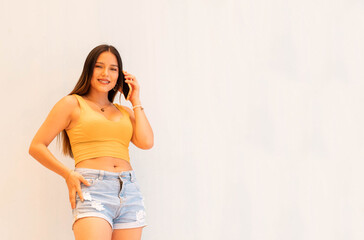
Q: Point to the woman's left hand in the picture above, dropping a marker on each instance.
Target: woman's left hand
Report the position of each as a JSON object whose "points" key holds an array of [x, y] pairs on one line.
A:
{"points": [[134, 95]]}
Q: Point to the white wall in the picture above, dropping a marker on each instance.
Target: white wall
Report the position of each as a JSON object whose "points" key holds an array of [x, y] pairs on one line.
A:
{"points": [[256, 108]]}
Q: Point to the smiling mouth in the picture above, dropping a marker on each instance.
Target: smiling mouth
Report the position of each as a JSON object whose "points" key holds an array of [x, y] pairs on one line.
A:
{"points": [[103, 81]]}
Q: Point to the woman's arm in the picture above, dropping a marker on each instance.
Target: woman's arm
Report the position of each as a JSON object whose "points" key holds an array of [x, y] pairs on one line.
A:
{"points": [[57, 120], [142, 131]]}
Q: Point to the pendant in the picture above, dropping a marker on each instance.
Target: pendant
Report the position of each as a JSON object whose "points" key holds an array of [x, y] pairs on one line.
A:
{"points": [[102, 110]]}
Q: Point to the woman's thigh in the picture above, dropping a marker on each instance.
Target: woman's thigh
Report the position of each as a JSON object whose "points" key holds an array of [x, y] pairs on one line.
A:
{"points": [[127, 234], [92, 228]]}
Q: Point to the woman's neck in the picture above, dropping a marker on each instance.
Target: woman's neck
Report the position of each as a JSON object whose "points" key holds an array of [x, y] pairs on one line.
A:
{"points": [[100, 98]]}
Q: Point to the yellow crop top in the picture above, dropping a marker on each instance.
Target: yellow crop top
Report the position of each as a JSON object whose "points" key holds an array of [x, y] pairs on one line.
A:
{"points": [[96, 136]]}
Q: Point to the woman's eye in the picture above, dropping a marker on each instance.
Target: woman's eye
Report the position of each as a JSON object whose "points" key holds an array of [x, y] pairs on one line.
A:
{"points": [[114, 69], [98, 66]]}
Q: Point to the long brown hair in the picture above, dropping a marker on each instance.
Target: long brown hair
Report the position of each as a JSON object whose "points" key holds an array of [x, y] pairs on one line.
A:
{"points": [[83, 86]]}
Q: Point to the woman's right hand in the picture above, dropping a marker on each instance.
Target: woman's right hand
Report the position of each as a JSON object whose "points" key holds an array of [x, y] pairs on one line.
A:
{"points": [[73, 181]]}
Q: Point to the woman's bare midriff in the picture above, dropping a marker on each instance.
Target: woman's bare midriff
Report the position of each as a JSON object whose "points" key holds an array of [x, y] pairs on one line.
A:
{"points": [[109, 164]]}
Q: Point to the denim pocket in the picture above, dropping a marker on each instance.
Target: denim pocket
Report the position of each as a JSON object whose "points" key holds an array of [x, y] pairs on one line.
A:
{"points": [[91, 180]]}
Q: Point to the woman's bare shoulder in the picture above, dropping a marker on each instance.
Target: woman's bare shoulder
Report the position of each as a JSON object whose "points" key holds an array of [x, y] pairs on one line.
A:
{"points": [[66, 104], [125, 108], [57, 120], [129, 111], [68, 101]]}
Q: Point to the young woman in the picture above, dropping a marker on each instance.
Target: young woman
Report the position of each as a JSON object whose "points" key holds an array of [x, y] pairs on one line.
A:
{"points": [[103, 191]]}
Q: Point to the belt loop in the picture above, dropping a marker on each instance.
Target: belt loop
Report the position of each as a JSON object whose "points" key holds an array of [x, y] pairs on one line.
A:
{"points": [[132, 177], [101, 174]]}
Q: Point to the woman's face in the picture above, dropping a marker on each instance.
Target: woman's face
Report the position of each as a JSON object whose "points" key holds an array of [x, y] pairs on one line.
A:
{"points": [[106, 72]]}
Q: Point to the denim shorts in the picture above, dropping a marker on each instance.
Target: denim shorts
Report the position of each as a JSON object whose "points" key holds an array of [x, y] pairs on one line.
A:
{"points": [[113, 196]]}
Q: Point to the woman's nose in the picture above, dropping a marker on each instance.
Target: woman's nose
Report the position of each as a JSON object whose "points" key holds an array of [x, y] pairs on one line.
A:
{"points": [[105, 72]]}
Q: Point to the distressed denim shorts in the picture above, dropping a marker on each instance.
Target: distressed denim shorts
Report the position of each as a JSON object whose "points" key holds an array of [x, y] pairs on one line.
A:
{"points": [[113, 196]]}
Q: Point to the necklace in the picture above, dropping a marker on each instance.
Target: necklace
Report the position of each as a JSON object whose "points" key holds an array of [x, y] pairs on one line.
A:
{"points": [[101, 108]]}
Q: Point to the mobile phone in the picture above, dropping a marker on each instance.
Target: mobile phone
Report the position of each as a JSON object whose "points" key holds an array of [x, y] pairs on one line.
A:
{"points": [[126, 89]]}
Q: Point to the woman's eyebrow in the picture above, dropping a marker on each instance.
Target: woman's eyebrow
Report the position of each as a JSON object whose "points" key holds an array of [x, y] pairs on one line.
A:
{"points": [[110, 64]]}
